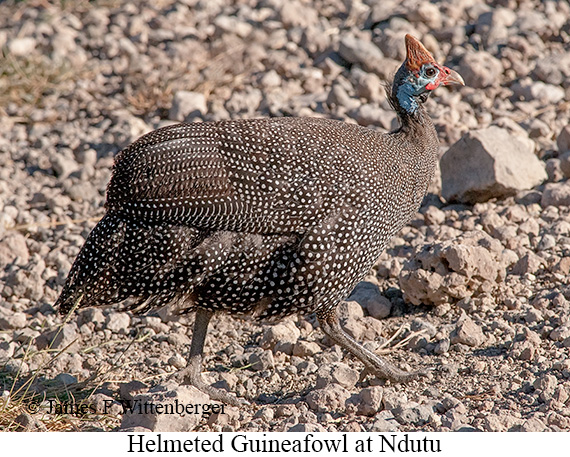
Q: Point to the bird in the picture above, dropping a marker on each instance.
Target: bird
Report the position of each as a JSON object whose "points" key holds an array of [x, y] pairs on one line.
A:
{"points": [[261, 217]]}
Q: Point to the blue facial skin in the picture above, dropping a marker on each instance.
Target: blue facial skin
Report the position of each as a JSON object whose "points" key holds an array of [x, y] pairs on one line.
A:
{"points": [[415, 86]]}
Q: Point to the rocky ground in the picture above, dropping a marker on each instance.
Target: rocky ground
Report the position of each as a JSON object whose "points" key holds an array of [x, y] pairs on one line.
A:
{"points": [[476, 288]]}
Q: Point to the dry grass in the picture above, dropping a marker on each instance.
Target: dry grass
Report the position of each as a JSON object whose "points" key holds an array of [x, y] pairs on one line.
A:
{"points": [[390, 345], [27, 80], [32, 394]]}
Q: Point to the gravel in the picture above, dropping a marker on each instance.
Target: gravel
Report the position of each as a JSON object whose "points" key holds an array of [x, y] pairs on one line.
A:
{"points": [[475, 290]]}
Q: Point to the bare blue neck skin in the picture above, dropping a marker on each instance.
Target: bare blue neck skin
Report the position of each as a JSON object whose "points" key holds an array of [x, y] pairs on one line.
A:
{"points": [[409, 90], [407, 98]]}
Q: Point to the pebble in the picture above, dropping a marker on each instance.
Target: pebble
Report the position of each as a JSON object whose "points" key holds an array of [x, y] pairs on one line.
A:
{"points": [[565, 164], [467, 332], [65, 337], [106, 404], [533, 425], [281, 337], [480, 69], [16, 367], [416, 415], [118, 322], [186, 104], [537, 90], [563, 140], [23, 46], [164, 395], [306, 349], [293, 13], [392, 399], [368, 295], [261, 360], [556, 194], [65, 379], [362, 52], [369, 401], [307, 428], [13, 248], [177, 361], [332, 397], [28, 423], [385, 422], [12, 320], [338, 373]]}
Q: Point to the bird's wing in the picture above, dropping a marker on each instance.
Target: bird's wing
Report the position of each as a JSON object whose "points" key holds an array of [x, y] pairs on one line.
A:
{"points": [[263, 176]]}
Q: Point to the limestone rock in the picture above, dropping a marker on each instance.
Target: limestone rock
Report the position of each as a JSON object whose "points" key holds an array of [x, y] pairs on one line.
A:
{"points": [[13, 248], [368, 295], [480, 69], [11, 320], [118, 322], [330, 398], [281, 337], [365, 53], [565, 160], [467, 332], [489, 163], [187, 104], [556, 194], [370, 401], [338, 373], [455, 269]]}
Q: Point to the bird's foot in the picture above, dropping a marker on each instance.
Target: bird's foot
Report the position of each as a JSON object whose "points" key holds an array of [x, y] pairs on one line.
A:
{"points": [[188, 377], [374, 363], [380, 368]]}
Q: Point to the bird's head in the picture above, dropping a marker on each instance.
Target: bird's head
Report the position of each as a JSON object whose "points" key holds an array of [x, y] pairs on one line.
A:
{"points": [[419, 75]]}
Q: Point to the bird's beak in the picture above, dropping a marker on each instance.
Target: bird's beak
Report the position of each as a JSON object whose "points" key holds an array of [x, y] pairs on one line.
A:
{"points": [[452, 77]]}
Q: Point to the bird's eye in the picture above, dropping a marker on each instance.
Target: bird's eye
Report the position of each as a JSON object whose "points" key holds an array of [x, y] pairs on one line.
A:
{"points": [[429, 72]]}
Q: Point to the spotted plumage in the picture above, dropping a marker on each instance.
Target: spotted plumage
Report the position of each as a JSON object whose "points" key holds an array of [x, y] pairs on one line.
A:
{"points": [[263, 217]]}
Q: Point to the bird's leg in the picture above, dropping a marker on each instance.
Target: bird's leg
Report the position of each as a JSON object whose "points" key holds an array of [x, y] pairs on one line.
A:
{"points": [[374, 364], [192, 374]]}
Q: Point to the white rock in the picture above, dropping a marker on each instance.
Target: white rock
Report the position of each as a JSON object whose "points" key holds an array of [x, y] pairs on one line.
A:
{"points": [[186, 103], [537, 90], [281, 337], [556, 194], [337, 373], [480, 69], [118, 322], [331, 398], [21, 46], [232, 24], [297, 14], [365, 53], [468, 332], [489, 163]]}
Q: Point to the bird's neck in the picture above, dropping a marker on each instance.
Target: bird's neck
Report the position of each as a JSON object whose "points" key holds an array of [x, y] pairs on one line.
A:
{"points": [[417, 122], [407, 99]]}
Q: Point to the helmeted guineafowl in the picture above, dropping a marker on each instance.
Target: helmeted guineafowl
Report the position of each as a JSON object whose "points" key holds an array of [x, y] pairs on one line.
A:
{"points": [[263, 217]]}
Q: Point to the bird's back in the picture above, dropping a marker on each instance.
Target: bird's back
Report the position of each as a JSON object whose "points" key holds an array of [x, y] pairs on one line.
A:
{"points": [[261, 175]]}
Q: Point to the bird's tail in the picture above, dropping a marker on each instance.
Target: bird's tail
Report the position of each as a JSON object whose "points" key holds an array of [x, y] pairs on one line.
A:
{"points": [[90, 282], [143, 263]]}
